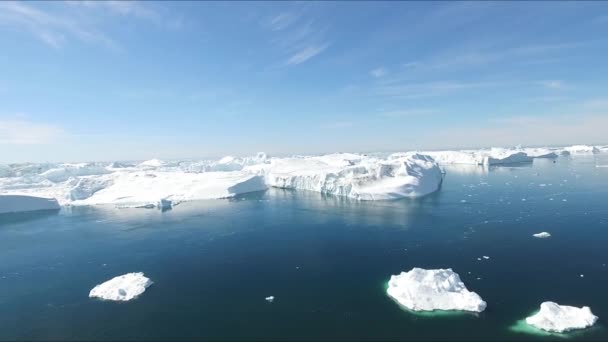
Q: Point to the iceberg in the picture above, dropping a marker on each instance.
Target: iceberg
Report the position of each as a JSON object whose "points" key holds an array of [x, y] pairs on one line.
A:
{"points": [[20, 203], [122, 288], [66, 171], [539, 153], [581, 149], [494, 156], [355, 176], [553, 317], [428, 290], [542, 235]]}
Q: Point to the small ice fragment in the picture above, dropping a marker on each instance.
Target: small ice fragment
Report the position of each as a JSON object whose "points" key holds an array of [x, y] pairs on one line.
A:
{"points": [[486, 257], [564, 200], [542, 235], [122, 288], [553, 317], [550, 199], [270, 299], [523, 199], [479, 259], [582, 276], [463, 201]]}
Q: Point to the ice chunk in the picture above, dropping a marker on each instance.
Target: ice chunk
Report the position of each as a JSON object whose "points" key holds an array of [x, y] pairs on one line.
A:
{"points": [[19, 203], [539, 153], [122, 288], [542, 235], [553, 317], [270, 299], [427, 290]]}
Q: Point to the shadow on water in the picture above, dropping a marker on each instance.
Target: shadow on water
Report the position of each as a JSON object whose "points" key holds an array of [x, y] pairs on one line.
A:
{"points": [[11, 218]]}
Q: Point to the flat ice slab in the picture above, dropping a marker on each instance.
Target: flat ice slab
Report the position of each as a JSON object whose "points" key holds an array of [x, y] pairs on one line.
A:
{"points": [[542, 235], [122, 288], [428, 290], [18, 203], [553, 317]]}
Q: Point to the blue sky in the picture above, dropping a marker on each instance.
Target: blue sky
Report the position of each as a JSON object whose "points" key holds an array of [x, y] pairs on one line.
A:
{"points": [[135, 80]]}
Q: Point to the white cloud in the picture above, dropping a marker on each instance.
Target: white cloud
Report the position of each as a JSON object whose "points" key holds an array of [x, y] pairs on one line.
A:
{"points": [[306, 54], [378, 72], [281, 21], [21, 132]]}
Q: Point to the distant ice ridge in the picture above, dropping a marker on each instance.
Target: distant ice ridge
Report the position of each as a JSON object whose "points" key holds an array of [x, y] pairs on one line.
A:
{"points": [[122, 288], [355, 176], [553, 317], [20, 203], [428, 290]]}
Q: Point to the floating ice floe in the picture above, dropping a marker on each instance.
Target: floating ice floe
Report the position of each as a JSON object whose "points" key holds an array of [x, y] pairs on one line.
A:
{"points": [[269, 299], [553, 317], [428, 290], [542, 235], [20, 203], [122, 288]]}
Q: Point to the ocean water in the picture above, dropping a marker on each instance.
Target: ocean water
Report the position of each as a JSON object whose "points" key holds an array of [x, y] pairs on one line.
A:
{"points": [[326, 261]]}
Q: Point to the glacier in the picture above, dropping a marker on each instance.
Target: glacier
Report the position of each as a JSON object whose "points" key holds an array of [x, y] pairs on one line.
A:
{"points": [[429, 290], [553, 317], [122, 288]]}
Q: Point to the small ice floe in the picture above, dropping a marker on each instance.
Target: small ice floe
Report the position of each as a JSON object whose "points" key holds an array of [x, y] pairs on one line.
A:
{"points": [[122, 288], [582, 276], [564, 200], [542, 235], [486, 257], [553, 317], [463, 201], [269, 299], [428, 290], [478, 259]]}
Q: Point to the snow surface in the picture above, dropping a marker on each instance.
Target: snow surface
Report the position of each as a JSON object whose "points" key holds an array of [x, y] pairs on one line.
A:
{"points": [[19, 203], [428, 290], [542, 235], [553, 317], [122, 288]]}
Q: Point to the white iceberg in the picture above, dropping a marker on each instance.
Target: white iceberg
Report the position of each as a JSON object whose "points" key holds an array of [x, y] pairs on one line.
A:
{"points": [[553, 317], [356, 176], [122, 288], [428, 290], [493, 156], [542, 235], [539, 153], [65, 171], [20, 203], [581, 149], [162, 189]]}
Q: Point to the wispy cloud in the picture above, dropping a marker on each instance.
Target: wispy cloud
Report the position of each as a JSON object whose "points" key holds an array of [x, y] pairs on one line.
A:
{"points": [[305, 54], [298, 36], [378, 72], [407, 90], [22, 132], [552, 84], [407, 113], [52, 29]]}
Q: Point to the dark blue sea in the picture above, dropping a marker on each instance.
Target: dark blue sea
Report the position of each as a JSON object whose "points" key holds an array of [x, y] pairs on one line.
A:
{"points": [[326, 260]]}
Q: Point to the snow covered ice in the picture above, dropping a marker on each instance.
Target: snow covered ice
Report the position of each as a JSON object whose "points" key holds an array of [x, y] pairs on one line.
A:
{"points": [[542, 235], [122, 288], [428, 290], [553, 317]]}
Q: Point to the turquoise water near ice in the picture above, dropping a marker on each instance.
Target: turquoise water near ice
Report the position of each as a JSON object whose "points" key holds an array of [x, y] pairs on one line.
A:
{"points": [[326, 260]]}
